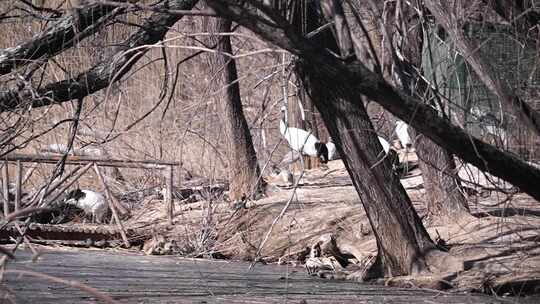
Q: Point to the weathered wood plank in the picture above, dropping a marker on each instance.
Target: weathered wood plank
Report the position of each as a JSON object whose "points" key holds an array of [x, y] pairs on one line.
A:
{"points": [[133, 278], [83, 160]]}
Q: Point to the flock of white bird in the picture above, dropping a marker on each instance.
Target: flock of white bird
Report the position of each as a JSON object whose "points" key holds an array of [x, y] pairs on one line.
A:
{"points": [[300, 141], [305, 143]]}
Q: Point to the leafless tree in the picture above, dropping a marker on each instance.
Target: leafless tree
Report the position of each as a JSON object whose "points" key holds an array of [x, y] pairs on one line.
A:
{"points": [[244, 172]]}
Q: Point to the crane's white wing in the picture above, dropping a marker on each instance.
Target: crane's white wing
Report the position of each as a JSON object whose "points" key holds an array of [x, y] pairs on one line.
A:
{"points": [[384, 144], [403, 133], [301, 141]]}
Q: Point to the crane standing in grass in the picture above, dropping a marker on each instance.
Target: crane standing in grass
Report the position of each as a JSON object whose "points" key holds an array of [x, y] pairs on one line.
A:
{"points": [[305, 143], [302, 141], [90, 202]]}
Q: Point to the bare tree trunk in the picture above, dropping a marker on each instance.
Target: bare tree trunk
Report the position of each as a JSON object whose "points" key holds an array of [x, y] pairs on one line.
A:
{"points": [[402, 240], [444, 198], [244, 169]]}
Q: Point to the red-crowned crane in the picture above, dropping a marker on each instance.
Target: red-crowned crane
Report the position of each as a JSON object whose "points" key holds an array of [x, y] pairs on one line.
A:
{"points": [[90, 202], [301, 140], [403, 134]]}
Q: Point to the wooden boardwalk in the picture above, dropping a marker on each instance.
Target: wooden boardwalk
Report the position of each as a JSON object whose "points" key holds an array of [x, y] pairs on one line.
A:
{"points": [[132, 278]]}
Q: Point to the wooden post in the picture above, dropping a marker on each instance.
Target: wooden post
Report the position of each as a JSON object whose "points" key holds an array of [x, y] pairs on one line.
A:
{"points": [[18, 184], [110, 199], [5, 178], [168, 195]]}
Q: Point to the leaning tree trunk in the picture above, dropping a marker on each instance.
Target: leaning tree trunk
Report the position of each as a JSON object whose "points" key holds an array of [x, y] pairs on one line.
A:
{"points": [[244, 169], [402, 240], [443, 194], [446, 15], [401, 237], [444, 197]]}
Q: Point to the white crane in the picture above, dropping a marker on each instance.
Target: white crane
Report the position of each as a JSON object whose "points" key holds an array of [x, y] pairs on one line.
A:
{"points": [[90, 202], [331, 147], [394, 158], [332, 151], [403, 134], [301, 140], [385, 145]]}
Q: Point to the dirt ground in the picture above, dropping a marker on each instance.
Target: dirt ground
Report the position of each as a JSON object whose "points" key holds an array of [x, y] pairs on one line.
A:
{"points": [[498, 245]]}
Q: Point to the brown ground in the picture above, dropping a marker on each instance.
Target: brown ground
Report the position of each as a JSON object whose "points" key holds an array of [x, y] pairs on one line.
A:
{"points": [[499, 246]]}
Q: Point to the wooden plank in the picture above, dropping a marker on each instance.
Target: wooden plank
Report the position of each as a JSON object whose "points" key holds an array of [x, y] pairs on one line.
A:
{"points": [[69, 235], [5, 188], [82, 160], [133, 278]]}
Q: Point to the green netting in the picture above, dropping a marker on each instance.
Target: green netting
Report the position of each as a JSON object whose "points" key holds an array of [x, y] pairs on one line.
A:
{"points": [[466, 100]]}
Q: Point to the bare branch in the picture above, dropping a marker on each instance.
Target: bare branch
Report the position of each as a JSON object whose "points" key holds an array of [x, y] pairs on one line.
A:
{"points": [[103, 74], [59, 36], [157, 9]]}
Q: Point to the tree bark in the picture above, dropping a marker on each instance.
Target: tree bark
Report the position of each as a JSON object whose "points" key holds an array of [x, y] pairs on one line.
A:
{"points": [[59, 36], [444, 197], [361, 81], [401, 237], [244, 170]]}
